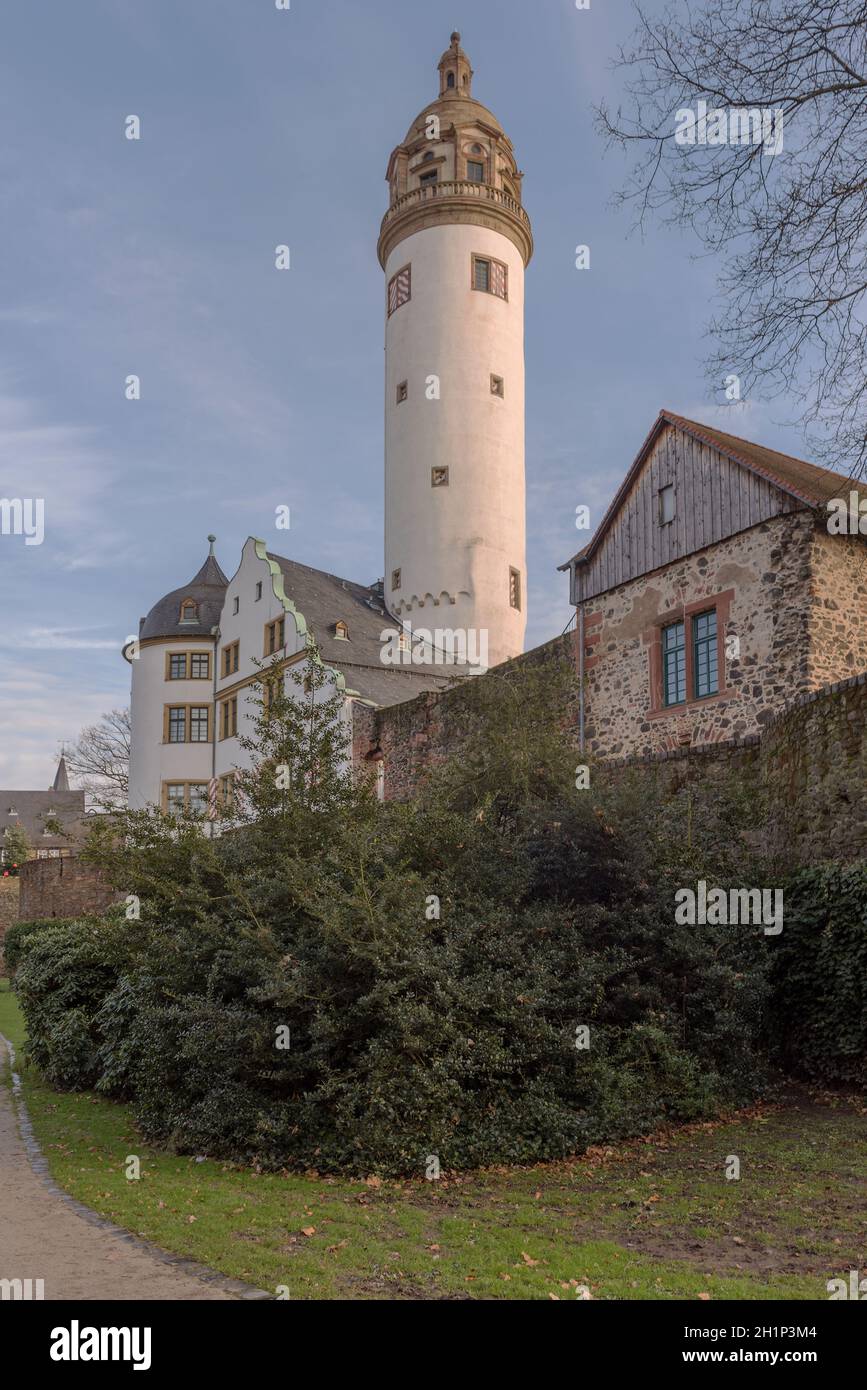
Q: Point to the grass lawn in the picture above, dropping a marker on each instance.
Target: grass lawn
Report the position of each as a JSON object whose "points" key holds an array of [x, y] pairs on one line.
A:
{"points": [[652, 1219]]}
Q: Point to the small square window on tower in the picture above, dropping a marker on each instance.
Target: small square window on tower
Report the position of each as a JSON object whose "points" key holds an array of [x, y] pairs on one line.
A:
{"points": [[395, 579], [666, 504], [498, 387], [399, 289], [492, 277], [475, 171], [439, 477], [515, 588], [402, 392]]}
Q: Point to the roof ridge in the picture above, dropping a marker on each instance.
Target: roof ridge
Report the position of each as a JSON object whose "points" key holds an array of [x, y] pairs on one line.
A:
{"points": [[672, 416]]}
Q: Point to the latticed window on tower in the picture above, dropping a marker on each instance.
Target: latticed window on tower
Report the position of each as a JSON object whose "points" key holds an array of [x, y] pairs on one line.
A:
{"points": [[492, 277], [399, 289], [515, 588]]}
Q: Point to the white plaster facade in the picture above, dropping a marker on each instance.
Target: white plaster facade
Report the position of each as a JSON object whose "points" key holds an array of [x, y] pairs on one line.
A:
{"points": [[455, 545]]}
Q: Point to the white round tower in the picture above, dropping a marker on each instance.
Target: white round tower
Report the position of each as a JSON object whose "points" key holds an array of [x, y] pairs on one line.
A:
{"points": [[454, 245], [173, 663]]}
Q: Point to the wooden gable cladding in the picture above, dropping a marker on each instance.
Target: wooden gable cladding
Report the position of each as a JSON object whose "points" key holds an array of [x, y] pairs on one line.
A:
{"points": [[714, 498]]}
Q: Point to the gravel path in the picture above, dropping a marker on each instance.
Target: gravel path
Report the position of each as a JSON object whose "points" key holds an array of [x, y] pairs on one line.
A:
{"points": [[43, 1236]]}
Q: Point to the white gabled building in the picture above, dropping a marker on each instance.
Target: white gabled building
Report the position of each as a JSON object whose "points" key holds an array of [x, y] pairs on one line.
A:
{"points": [[199, 657], [454, 243]]}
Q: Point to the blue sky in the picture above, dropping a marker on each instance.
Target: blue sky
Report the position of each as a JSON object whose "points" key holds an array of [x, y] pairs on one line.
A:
{"points": [[262, 388]]}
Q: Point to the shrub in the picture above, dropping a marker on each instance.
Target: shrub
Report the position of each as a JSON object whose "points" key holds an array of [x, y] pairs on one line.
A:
{"points": [[20, 934], [432, 963], [819, 1018], [61, 981]]}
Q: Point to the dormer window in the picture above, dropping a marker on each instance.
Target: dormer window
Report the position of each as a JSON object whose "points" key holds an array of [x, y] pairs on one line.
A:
{"points": [[189, 611], [341, 631], [12, 811]]}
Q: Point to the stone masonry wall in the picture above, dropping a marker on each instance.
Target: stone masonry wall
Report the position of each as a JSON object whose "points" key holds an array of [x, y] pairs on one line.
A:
{"points": [[61, 888], [415, 735], [838, 618], [807, 765], [759, 580]]}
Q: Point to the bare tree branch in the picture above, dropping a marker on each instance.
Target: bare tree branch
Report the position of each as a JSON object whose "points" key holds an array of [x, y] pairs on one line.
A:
{"points": [[99, 760], [788, 226]]}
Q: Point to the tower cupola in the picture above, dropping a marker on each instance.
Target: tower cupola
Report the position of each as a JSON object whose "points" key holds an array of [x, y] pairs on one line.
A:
{"points": [[456, 74]]}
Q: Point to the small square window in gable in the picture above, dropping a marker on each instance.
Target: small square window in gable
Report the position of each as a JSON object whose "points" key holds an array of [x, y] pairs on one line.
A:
{"points": [[402, 392], [395, 579], [439, 477], [399, 289], [498, 387]]}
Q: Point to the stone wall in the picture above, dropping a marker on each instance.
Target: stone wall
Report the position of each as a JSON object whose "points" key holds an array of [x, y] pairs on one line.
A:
{"points": [[759, 582], [807, 766], [61, 888], [417, 734], [814, 766], [838, 616]]}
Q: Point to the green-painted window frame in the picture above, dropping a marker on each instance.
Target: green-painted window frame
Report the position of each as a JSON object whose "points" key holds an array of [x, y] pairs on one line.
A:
{"points": [[674, 664], [705, 664]]}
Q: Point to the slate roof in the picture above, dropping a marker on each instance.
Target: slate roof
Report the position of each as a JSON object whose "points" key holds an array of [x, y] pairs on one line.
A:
{"points": [[805, 481], [325, 599], [30, 807], [208, 588]]}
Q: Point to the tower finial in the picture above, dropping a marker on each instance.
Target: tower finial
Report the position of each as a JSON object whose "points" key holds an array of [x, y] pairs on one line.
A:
{"points": [[456, 75], [212, 539]]}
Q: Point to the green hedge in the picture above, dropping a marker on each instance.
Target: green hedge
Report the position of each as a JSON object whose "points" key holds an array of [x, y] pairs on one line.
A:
{"points": [[20, 933], [820, 976], [409, 1037], [431, 961]]}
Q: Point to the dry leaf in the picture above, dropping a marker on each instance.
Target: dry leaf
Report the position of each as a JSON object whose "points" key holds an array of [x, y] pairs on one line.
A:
{"points": [[308, 1230], [527, 1260]]}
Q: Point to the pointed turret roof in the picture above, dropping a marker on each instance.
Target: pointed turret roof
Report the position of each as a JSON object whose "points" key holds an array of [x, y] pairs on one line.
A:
{"points": [[61, 777]]}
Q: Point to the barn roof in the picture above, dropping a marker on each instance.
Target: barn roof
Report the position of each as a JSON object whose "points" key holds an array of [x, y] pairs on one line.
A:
{"points": [[806, 482]]}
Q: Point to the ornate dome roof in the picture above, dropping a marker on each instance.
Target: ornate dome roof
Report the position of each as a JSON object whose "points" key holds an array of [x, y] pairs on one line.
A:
{"points": [[191, 610], [453, 108], [455, 103]]}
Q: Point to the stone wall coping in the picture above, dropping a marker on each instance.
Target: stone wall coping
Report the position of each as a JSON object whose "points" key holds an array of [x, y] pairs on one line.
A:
{"points": [[810, 697]]}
